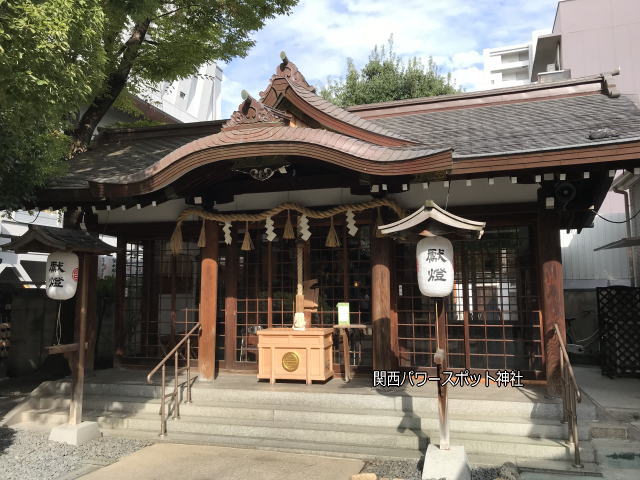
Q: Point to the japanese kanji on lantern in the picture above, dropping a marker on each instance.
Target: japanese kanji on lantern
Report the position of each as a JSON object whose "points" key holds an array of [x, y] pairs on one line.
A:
{"points": [[62, 275], [434, 257]]}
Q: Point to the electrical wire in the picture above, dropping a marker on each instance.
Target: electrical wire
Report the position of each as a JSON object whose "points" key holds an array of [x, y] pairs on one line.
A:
{"points": [[614, 221], [24, 223]]}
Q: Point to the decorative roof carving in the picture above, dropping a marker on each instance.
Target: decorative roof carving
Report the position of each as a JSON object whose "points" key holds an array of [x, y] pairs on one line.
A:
{"points": [[253, 113], [289, 71]]}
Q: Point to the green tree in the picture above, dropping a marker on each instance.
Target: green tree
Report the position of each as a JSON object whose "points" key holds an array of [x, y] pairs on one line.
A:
{"points": [[386, 77], [58, 56], [50, 61]]}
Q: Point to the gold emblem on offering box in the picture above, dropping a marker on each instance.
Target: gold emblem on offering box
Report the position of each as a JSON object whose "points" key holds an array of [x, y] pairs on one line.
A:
{"points": [[290, 361]]}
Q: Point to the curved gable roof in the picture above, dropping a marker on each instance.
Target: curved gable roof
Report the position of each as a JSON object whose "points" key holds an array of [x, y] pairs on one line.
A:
{"points": [[288, 83], [322, 145]]}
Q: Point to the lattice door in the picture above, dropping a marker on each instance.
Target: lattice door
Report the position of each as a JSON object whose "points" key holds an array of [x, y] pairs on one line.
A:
{"points": [[619, 319]]}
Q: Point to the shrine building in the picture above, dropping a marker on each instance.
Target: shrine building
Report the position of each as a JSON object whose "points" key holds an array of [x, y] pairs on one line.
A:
{"points": [[211, 218]]}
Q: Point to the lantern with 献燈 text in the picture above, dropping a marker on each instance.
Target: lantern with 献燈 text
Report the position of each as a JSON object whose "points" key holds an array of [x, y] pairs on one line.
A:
{"points": [[434, 261], [62, 275]]}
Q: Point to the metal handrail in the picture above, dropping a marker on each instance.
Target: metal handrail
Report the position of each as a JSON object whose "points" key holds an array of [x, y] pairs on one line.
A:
{"points": [[570, 397], [174, 395]]}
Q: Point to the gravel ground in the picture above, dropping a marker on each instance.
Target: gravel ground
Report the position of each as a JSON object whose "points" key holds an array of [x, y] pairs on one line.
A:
{"points": [[29, 455], [412, 470]]}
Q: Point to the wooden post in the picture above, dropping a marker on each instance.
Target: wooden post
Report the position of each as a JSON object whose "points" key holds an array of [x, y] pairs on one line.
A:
{"points": [[77, 383], [551, 293], [208, 303], [441, 361], [174, 314], [118, 328], [299, 276], [92, 312], [381, 302], [231, 302], [149, 321], [270, 285]]}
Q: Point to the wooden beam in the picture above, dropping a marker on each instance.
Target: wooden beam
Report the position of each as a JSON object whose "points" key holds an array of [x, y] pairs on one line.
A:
{"points": [[66, 348], [381, 302], [208, 303], [79, 360], [551, 292]]}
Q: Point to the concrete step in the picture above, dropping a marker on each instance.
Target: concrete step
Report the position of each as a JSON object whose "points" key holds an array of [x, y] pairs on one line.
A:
{"points": [[313, 448], [370, 401], [516, 426], [354, 435]]}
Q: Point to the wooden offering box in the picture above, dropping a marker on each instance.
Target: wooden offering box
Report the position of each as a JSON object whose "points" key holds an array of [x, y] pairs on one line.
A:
{"points": [[287, 354]]}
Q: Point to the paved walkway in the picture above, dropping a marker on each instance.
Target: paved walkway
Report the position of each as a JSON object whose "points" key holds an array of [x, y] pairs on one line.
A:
{"points": [[194, 462], [618, 395]]}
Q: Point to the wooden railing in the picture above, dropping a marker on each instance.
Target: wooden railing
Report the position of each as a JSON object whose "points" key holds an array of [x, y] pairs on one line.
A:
{"points": [[174, 395], [570, 397]]}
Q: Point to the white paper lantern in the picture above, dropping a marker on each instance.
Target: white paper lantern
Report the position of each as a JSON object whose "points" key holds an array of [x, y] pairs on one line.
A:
{"points": [[62, 275], [434, 256]]}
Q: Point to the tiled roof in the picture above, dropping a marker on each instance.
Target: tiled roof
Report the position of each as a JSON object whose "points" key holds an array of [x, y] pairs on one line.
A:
{"points": [[40, 238], [513, 127], [268, 135], [118, 157], [343, 115]]}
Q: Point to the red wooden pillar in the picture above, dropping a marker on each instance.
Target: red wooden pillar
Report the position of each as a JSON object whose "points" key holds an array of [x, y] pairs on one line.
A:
{"points": [[551, 293], [381, 303], [208, 303]]}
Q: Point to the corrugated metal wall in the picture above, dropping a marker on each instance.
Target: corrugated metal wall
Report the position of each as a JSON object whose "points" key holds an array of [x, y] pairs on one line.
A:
{"points": [[586, 269]]}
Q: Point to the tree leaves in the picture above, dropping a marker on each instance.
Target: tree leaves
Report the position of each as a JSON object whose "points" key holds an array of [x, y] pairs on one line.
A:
{"points": [[59, 57], [385, 77]]}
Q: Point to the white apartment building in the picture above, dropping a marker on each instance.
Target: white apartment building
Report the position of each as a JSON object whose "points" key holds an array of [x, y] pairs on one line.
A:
{"points": [[510, 66], [507, 66], [193, 99]]}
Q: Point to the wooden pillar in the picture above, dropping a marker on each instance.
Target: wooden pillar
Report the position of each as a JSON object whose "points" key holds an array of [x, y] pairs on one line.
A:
{"points": [[441, 359], [118, 328], [79, 358], [551, 293], [149, 320], [208, 303], [231, 302], [92, 311], [381, 302], [270, 284]]}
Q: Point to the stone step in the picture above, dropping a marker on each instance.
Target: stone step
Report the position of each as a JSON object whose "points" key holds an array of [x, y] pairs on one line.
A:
{"points": [[313, 448], [370, 401], [216, 411], [354, 435]]}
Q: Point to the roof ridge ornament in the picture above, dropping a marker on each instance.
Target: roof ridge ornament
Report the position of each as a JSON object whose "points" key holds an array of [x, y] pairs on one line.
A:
{"points": [[253, 113], [610, 87], [288, 70]]}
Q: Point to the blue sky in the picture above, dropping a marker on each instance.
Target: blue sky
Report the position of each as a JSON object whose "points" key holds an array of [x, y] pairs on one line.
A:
{"points": [[320, 35]]}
